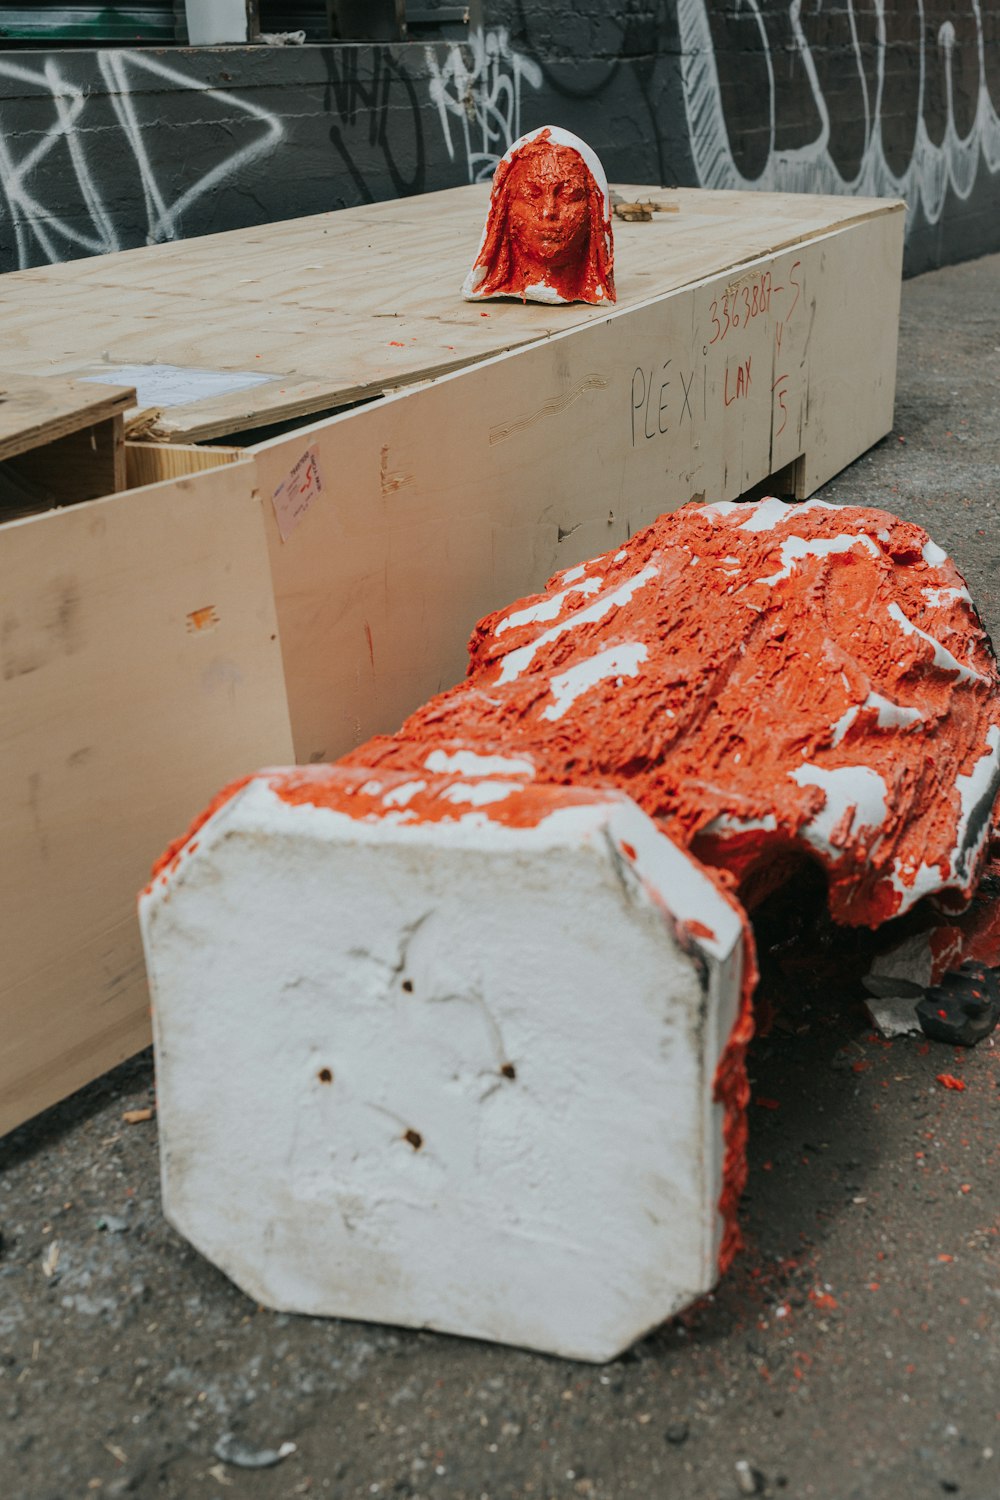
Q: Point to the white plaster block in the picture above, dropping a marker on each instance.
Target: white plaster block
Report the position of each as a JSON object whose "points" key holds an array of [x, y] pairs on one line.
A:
{"points": [[447, 1074]]}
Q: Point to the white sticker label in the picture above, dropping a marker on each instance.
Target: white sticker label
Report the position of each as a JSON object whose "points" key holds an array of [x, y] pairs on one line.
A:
{"points": [[297, 491], [175, 385]]}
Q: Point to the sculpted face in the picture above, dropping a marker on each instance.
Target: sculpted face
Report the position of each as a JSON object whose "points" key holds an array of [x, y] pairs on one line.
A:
{"points": [[547, 236], [547, 210]]}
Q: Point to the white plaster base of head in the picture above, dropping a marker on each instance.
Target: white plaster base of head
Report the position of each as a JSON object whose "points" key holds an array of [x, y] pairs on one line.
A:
{"points": [[452, 1074]]}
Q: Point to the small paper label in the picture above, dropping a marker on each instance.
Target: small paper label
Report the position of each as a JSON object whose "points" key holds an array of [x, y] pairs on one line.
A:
{"points": [[296, 492], [178, 385]]}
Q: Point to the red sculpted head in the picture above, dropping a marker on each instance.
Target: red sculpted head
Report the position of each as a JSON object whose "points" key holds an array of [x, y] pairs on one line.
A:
{"points": [[548, 233]]}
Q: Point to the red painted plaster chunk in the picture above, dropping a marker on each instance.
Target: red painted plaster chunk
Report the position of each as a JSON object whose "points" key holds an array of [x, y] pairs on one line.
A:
{"points": [[762, 680]]}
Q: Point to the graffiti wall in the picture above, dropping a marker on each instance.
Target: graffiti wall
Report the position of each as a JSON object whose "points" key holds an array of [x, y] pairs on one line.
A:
{"points": [[104, 150]]}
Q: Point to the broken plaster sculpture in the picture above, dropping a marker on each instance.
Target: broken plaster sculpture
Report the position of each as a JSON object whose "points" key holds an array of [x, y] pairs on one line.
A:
{"points": [[548, 234], [483, 987]]}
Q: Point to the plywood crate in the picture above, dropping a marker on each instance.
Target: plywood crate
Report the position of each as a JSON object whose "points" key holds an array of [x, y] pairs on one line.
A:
{"points": [[139, 671], [434, 460]]}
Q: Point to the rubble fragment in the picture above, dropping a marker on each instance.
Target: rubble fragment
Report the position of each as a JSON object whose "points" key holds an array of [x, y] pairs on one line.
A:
{"points": [[964, 1008]]}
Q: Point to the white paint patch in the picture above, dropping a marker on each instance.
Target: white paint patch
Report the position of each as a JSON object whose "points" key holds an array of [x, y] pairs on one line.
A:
{"points": [[572, 574], [401, 795], [890, 715], [616, 661], [942, 656], [940, 598], [518, 661], [844, 723], [719, 510], [547, 609], [469, 763], [913, 882], [795, 548], [480, 793], [933, 555], [731, 823], [856, 789], [770, 512]]}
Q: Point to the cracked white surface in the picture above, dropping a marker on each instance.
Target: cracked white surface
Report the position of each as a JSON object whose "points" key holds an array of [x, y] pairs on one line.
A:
{"points": [[389, 1084]]}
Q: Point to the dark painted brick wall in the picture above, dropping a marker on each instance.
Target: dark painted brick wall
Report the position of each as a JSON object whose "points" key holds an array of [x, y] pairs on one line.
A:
{"points": [[106, 150]]}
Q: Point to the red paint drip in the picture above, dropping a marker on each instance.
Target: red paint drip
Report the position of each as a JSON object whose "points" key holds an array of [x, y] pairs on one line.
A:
{"points": [[731, 1089], [547, 227]]}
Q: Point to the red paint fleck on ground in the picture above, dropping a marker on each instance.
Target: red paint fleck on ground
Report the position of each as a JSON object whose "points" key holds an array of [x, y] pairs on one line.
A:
{"points": [[823, 1300], [949, 1081], [763, 1103]]}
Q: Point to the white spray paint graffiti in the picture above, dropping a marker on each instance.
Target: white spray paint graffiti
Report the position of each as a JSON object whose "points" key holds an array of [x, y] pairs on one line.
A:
{"points": [[479, 85], [38, 229], [932, 169]]}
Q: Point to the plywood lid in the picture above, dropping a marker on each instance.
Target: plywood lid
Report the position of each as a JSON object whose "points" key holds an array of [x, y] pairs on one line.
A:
{"points": [[234, 331], [34, 412]]}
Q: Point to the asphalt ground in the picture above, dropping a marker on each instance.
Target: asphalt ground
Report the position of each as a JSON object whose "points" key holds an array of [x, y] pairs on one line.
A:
{"points": [[852, 1351]]}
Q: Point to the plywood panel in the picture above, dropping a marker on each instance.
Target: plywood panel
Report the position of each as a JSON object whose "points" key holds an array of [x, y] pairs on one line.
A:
{"points": [[35, 412], [139, 671], [422, 512], [339, 307], [149, 463]]}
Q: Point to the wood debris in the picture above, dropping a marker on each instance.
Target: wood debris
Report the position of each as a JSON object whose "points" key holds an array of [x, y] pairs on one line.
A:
{"points": [[642, 213], [138, 1116]]}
